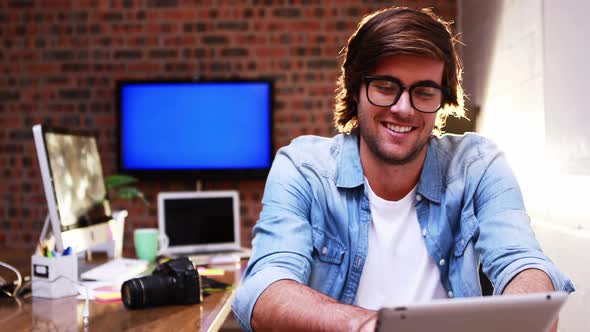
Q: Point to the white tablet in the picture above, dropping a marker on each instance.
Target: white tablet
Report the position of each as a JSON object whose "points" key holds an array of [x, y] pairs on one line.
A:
{"points": [[522, 313]]}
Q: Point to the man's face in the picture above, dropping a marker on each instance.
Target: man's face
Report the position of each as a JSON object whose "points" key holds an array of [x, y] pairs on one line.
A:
{"points": [[399, 133]]}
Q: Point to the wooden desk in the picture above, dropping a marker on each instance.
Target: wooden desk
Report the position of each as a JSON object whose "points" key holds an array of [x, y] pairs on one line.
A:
{"points": [[66, 314]]}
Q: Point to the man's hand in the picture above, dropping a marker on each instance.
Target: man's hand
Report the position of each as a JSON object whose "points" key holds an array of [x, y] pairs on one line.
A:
{"points": [[369, 324], [531, 281], [287, 305]]}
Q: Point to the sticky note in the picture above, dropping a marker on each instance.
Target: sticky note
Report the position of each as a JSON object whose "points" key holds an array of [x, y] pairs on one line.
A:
{"points": [[211, 272], [108, 297]]}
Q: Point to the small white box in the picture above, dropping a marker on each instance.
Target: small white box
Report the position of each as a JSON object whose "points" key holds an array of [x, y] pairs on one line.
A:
{"points": [[54, 277]]}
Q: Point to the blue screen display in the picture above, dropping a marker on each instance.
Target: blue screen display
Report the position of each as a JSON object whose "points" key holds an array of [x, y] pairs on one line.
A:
{"points": [[195, 126]]}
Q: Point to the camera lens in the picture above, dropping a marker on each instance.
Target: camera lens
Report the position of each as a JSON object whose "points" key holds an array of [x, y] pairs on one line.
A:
{"points": [[147, 291]]}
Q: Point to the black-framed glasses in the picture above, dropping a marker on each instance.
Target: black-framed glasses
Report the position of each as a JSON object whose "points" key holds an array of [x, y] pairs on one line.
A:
{"points": [[385, 91]]}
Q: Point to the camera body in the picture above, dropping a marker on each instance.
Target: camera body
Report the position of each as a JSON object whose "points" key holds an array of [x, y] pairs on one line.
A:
{"points": [[173, 282]]}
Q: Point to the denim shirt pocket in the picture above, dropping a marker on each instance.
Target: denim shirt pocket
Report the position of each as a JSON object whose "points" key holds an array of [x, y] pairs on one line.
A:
{"points": [[328, 255], [467, 230], [328, 248]]}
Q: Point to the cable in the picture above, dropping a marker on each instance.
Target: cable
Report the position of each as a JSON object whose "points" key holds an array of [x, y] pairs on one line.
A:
{"points": [[19, 277], [26, 286], [86, 310]]}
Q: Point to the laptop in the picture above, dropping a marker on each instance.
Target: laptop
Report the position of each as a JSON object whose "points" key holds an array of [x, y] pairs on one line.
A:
{"points": [[203, 225], [522, 313]]}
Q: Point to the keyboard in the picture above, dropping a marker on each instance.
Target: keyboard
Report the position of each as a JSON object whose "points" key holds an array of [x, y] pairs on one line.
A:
{"points": [[118, 269], [220, 257]]}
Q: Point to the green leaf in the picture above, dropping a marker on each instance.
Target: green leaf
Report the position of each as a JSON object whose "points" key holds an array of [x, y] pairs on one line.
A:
{"points": [[119, 180], [131, 193]]}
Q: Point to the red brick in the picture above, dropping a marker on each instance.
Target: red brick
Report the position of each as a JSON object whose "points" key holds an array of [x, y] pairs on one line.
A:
{"points": [[179, 15], [303, 26], [144, 67], [271, 52], [180, 41]]}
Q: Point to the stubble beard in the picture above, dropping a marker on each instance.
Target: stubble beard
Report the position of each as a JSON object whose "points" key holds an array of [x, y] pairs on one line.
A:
{"points": [[380, 151]]}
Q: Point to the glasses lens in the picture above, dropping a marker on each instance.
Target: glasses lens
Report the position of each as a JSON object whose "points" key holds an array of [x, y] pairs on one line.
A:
{"points": [[382, 92], [427, 98]]}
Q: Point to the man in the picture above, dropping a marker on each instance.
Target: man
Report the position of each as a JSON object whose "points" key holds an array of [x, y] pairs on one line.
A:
{"points": [[388, 212]]}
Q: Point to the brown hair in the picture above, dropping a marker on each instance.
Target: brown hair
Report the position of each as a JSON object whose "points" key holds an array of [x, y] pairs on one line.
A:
{"points": [[394, 31]]}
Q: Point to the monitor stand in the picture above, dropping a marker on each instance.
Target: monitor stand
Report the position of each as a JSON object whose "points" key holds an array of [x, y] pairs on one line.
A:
{"points": [[113, 247]]}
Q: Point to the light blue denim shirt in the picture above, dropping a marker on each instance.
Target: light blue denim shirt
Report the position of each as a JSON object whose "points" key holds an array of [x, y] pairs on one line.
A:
{"points": [[315, 219]]}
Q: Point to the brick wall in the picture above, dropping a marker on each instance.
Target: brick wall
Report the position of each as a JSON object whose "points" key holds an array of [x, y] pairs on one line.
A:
{"points": [[60, 60]]}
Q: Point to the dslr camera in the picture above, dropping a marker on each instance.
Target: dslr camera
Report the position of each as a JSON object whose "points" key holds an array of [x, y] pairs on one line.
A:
{"points": [[173, 282]]}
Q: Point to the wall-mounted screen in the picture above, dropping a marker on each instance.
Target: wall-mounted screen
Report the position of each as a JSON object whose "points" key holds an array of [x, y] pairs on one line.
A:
{"points": [[195, 129]]}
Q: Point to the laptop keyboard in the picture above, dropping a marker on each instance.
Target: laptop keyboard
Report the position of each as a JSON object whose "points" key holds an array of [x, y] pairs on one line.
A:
{"points": [[219, 257]]}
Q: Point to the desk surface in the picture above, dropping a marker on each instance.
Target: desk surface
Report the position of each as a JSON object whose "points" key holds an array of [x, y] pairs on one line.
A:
{"points": [[66, 314]]}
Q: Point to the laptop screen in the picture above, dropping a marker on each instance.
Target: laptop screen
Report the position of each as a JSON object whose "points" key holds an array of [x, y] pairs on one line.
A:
{"points": [[192, 221], [199, 221]]}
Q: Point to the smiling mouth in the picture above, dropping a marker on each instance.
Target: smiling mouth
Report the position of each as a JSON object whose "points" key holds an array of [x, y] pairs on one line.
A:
{"points": [[398, 129]]}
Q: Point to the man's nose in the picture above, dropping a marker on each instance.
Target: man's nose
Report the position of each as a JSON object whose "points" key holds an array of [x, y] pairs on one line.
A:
{"points": [[403, 105]]}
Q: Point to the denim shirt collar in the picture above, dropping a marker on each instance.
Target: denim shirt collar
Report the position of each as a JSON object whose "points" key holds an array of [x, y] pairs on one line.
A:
{"points": [[350, 170], [350, 174], [430, 184]]}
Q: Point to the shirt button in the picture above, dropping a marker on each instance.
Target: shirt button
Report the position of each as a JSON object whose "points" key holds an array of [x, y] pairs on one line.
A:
{"points": [[423, 231], [442, 262], [450, 293], [324, 250], [418, 197], [462, 242]]}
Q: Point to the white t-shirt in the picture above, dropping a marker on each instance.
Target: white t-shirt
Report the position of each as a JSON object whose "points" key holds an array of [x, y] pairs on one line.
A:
{"points": [[398, 269]]}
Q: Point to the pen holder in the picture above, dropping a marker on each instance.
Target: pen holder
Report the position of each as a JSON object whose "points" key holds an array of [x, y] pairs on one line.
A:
{"points": [[54, 277]]}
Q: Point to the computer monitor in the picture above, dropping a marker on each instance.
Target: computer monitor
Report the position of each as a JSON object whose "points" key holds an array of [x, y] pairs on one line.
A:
{"points": [[79, 212], [195, 129]]}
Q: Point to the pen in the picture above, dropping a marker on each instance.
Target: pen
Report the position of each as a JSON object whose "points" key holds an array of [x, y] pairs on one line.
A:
{"points": [[43, 248]]}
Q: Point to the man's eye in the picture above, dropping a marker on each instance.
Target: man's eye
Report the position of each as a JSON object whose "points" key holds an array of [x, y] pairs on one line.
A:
{"points": [[385, 87], [426, 92]]}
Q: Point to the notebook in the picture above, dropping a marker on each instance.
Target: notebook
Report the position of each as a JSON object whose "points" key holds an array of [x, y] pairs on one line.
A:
{"points": [[204, 225], [522, 313]]}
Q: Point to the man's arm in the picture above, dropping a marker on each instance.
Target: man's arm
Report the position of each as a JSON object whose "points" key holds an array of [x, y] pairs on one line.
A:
{"points": [[273, 293], [530, 281], [287, 305]]}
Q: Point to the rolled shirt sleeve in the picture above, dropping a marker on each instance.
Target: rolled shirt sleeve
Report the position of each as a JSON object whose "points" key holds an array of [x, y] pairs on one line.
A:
{"points": [[282, 245], [250, 291], [560, 281]]}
